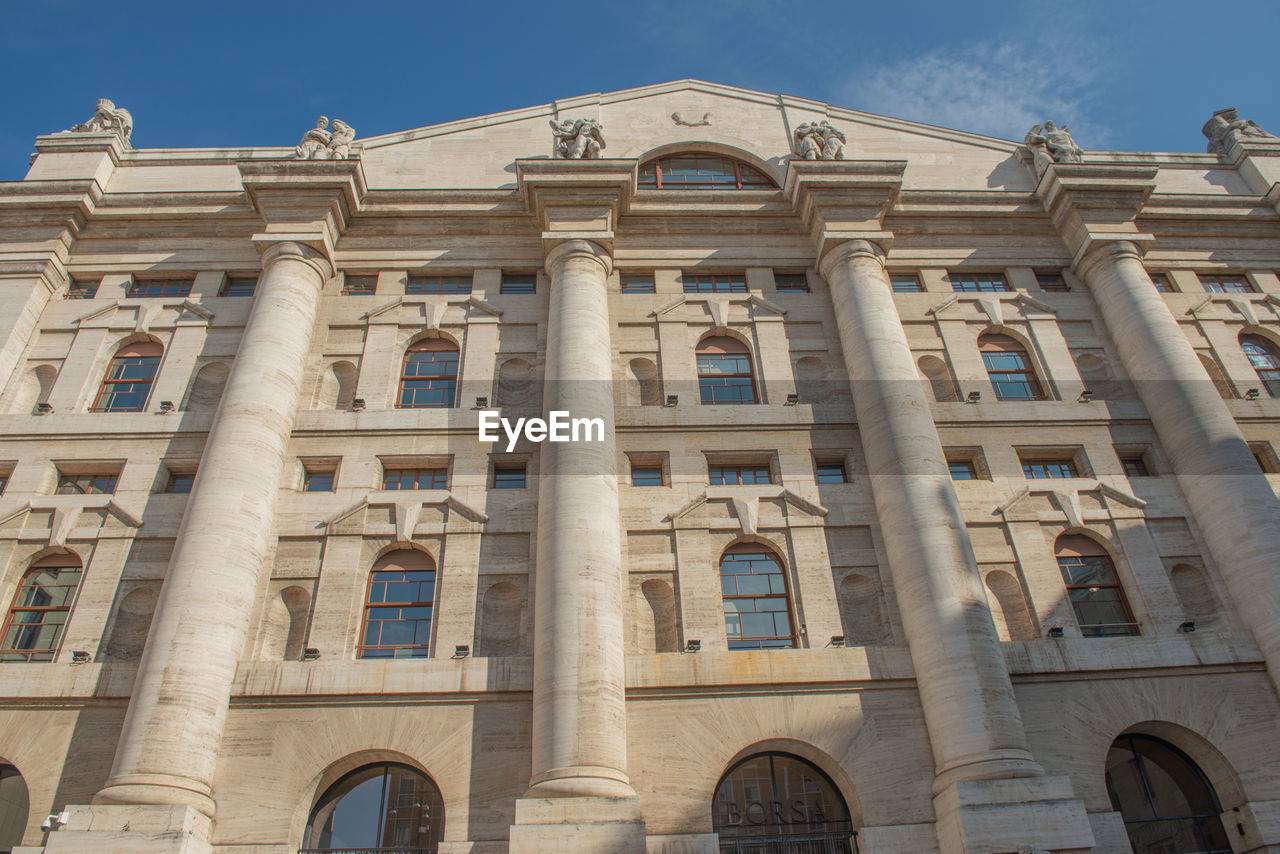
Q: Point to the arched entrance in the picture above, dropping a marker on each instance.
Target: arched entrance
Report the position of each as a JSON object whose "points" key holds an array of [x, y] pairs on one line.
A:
{"points": [[776, 803], [1168, 804], [385, 807], [14, 805]]}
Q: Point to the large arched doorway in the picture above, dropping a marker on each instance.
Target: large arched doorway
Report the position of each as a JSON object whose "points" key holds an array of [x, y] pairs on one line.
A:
{"points": [[14, 805], [776, 803], [1168, 804], [384, 807]]}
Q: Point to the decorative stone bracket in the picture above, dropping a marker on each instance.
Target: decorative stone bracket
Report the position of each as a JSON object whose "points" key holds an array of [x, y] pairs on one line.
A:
{"points": [[1243, 306], [67, 511], [1068, 503], [746, 506], [146, 312], [473, 308], [407, 512], [759, 307], [993, 306]]}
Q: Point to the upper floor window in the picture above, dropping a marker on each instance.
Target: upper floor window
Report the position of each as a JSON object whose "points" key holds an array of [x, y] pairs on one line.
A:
{"points": [[1052, 282], [82, 289], [70, 483], [905, 283], [757, 609], [962, 469], [180, 481], [509, 477], [415, 479], [1098, 599], [646, 476], [1216, 284], [239, 286], [1009, 369], [724, 372], [702, 172], [41, 607], [978, 282], [1265, 359], [438, 285], [1134, 465], [161, 287], [429, 378], [356, 286], [398, 610], [129, 377], [636, 283], [518, 283], [387, 807], [1047, 467], [738, 475], [1161, 283], [714, 283], [318, 478], [830, 471], [795, 283]]}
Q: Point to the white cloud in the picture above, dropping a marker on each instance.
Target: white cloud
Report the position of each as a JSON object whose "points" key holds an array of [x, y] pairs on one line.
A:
{"points": [[997, 89]]}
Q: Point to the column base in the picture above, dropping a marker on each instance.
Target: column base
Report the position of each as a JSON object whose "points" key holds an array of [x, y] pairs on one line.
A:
{"points": [[584, 825], [131, 829], [996, 816]]}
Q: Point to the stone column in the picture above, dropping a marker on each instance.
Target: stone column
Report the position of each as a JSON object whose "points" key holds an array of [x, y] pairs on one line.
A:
{"points": [[1233, 503], [580, 797], [169, 745]]}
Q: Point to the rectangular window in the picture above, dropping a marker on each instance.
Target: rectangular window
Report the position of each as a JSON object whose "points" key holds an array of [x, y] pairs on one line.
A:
{"points": [[161, 287], [318, 479], [1052, 282], [739, 475], [1215, 284], [1161, 283], [714, 283], [830, 472], [4, 482], [239, 286], [636, 283], [87, 484], [180, 481], [1134, 465], [1049, 468], [82, 289], [794, 283], [646, 475], [519, 283], [508, 477], [359, 286], [962, 470], [438, 285], [415, 479], [977, 282], [905, 283]]}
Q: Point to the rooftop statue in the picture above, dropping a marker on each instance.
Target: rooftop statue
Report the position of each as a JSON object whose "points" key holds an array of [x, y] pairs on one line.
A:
{"points": [[108, 118], [1225, 129], [1053, 142], [322, 144], [577, 139], [819, 142]]}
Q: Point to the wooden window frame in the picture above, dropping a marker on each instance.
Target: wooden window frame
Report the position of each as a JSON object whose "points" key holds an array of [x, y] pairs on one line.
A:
{"points": [[724, 348], [417, 478], [1268, 375], [1217, 283], [799, 282], [659, 183], [515, 283], [758, 642], [239, 286], [424, 649], [636, 283], [145, 354], [433, 382], [58, 562], [362, 285], [995, 345], [85, 483], [959, 279], [719, 283], [898, 283], [1098, 556], [417, 284], [161, 287], [508, 470], [722, 471]]}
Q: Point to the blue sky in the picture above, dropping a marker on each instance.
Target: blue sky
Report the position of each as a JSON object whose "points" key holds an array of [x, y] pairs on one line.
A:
{"points": [[1123, 75]]}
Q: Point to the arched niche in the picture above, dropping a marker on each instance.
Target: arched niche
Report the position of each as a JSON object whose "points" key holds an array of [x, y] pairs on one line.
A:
{"points": [[643, 386], [34, 389], [15, 806], [656, 630], [860, 610], [1195, 593], [337, 386], [516, 384], [939, 376], [1013, 620], [131, 624], [501, 615], [206, 388], [1217, 376]]}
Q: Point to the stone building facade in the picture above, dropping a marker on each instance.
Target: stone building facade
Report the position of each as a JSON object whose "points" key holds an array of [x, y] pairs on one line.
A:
{"points": [[984, 559]]}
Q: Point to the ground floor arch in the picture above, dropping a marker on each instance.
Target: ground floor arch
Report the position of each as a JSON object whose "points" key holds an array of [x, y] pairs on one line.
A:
{"points": [[773, 802]]}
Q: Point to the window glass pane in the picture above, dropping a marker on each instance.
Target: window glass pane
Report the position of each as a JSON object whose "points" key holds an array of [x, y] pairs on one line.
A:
{"points": [[793, 282], [82, 289], [1051, 282], [977, 282], [754, 619], [831, 473], [1134, 466], [904, 283], [518, 283], [646, 476], [1161, 283], [438, 285], [714, 283], [961, 470], [359, 285], [508, 478], [1048, 468], [240, 286], [637, 283], [181, 482], [318, 480], [161, 287], [1225, 284]]}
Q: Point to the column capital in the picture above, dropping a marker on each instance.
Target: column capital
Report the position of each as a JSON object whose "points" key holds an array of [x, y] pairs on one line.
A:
{"points": [[580, 248], [870, 246], [841, 200], [1092, 203], [304, 201], [1096, 252], [273, 250]]}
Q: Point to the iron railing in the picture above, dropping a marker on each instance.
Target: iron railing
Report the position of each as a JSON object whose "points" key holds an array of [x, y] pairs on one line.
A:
{"points": [[844, 842], [367, 851]]}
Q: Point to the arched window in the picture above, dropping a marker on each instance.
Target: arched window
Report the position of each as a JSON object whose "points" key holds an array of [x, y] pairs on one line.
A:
{"points": [[429, 378], [1265, 359], [699, 171], [386, 807], [778, 802], [41, 607], [397, 616], [1093, 587], [14, 805], [724, 372], [757, 612], [1168, 805], [1009, 369], [129, 377]]}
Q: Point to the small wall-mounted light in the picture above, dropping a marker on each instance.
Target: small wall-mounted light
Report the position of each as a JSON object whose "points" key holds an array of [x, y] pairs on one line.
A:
{"points": [[461, 651], [974, 397], [673, 399], [357, 404], [793, 399], [55, 821], [1085, 396], [693, 646], [1054, 632], [1188, 627], [482, 402], [167, 406], [310, 654], [836, 640], [80, 656], [1252, 394], [44, 408]]}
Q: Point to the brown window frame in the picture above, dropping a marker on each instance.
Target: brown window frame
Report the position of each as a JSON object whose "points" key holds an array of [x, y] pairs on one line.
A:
{"points": [[636, 283], [739, 470], [239, 286], [431, 284], [44, 653], [445, 380], [1268, 375], [720, 349], [658, 183], [774, 641], [959, 278], [1239, 283], [85, 483], [163, 287], [995, 343], [433, 477], [508, 470], [419, 650], [142, 354], [1089, 552], [359, 285]]}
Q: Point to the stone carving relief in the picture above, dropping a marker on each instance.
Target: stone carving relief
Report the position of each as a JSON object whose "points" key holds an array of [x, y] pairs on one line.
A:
{"points": [[108, 118], [819, 141], [323, 143], [1052, 144], [577, 139], [1225, 129], [683, 122]]}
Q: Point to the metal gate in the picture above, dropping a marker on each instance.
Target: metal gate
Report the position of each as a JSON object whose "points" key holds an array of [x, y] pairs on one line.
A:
{"points": [[845, 842]]}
